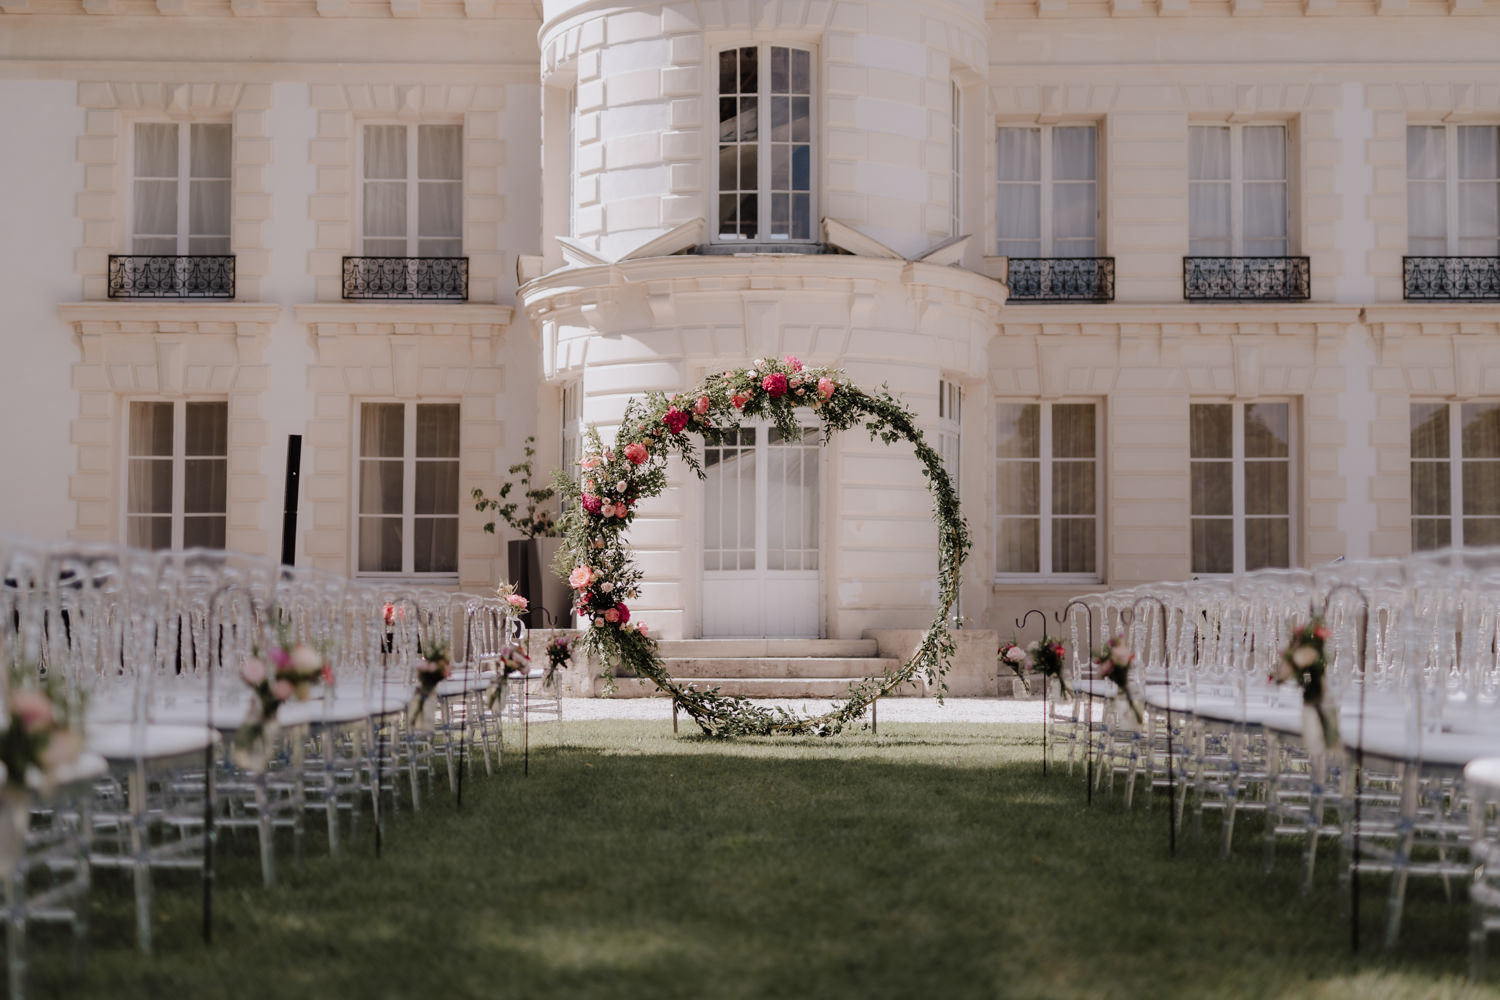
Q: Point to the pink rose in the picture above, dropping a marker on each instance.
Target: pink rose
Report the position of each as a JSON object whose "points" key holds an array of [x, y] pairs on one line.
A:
{"points": [[701, 407], [623, 612], [590, 462], [612, 616], [607, 510], [621, 510], [581, 577], [33, 708], [591, 503], [825, 387], [516, 601], [254, 671], [675, 420], [739, 400], [774, 384], [641, 628], [282, 690], [599, 620], [792, 362], [637, 453]]}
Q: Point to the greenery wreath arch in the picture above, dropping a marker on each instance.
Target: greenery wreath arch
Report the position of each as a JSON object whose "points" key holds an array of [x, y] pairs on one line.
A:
{"points": [[603, 501]]}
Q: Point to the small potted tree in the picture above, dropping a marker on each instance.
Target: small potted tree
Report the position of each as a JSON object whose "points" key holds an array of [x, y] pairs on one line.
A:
{"points": [[529, 558]]}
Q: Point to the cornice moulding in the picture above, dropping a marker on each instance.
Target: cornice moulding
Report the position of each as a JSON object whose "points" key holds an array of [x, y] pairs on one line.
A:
{"points": [[404, 313], [145, 311]]}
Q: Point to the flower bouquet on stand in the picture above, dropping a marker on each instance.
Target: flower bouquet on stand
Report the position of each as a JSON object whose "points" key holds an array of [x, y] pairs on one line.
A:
{"points": [[434, 667], [1046, 655], [514, 661], [559, 655], [286, 671], [518, 604], [1112, 662], [1305, 661], [1013, 655], [42, 736]]}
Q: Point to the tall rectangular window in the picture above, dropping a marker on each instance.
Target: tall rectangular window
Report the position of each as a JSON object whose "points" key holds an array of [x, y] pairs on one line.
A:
{"points": [[408, 488], [956, 157], [1455, 474], [1237, 191], [412, 190], [1046, 488], [765, 179], [1047, 202], [1453, 190], [572, 431], [1240, 464], [950, 426], [177, 474], [180, 189]]}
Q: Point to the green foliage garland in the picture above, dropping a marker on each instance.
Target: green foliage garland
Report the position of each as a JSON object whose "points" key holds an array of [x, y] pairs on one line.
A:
{"points": [[603, 501]]}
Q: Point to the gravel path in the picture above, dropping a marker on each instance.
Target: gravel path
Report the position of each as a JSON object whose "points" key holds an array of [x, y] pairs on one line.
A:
{"points": [[891, 709]]}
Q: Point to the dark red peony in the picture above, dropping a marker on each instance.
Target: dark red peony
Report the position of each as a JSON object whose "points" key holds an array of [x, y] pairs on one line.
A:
{"points": [[675, 420], [774, 384], [591, 503]]}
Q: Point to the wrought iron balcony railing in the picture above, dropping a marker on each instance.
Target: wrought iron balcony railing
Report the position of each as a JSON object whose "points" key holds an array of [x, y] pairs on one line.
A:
{"points": [[1451, 278], [1246, 279], [159, 276], [424, 278], [1061, 279]]}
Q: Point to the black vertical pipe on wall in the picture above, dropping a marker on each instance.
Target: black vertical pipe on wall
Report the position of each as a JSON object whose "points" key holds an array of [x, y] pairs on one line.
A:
{"points": [[289, 505]]}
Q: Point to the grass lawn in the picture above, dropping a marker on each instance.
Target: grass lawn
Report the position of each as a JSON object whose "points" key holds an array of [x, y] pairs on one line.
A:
{"points": [[932, 861]]}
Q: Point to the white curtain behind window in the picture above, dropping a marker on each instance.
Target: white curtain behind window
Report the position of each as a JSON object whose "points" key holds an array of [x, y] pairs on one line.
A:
{"points": [[1074, 209], [1018, 203], [440, 190], [208, 189], [1478, 190], [385, 191], [1209, 192], [1265, 207], [1426, 191], [154, 228]]}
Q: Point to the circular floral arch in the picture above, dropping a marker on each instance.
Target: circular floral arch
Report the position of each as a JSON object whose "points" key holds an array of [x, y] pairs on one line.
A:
{"points": [[615, 480]]}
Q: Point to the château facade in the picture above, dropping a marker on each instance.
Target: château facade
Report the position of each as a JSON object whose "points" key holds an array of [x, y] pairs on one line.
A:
{"points": [[1177, 287]]}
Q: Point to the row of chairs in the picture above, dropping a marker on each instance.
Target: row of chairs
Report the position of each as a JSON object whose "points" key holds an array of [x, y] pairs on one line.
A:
{"points": [[1412, 680], [162, 757]]}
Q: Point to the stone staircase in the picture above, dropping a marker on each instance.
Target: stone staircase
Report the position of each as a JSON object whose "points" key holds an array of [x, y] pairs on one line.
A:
{"points": [[764, 668]]}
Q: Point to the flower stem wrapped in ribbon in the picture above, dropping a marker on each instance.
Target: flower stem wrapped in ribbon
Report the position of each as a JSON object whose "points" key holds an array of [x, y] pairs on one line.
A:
{"points": [[435, 666], [1112, 662], [1305, 661], [1013, 655]]}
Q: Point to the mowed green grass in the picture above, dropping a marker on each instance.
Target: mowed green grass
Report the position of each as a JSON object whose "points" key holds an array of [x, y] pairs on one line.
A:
{"points": [[928, 861]]}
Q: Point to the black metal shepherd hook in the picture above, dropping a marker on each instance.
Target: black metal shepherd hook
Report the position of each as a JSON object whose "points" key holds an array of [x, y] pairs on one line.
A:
{"points": [[1046, 681], [1361, 647], [1166, 659], [1088, 748]]}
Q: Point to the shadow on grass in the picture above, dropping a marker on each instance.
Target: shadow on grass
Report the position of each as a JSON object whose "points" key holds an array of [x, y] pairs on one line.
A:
{"points": [[927, 861]]}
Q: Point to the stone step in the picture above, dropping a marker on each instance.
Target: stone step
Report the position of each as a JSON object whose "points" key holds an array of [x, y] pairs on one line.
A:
{"points": [[834, 688], [714, 648], [774, 667]]}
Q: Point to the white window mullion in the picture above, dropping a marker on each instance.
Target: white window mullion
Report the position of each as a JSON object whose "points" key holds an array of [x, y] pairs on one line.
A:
{"points": [[1450, 197], [1044, 499], [1045, 197], [184, 201], [409, 488], [1237, 467], [1456, 467], [179, 470], [413, 224]]}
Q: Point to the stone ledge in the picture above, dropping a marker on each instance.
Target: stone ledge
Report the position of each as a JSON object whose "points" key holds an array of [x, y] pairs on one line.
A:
{"points": [[403, 313], [173, 312]]}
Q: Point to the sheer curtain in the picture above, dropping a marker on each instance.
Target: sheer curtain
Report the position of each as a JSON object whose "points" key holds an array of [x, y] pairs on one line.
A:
{"points": [[1018, 201], [435, 527], [148, 476], [413, 171], [385, 191], [1431, 477], [1426, 190], [1074, 201], [1265, 207], [1478, 190], [1210, 192], [1481, 473], [167, 155], [440, 190], [1018, 451], [208, 189], [1074, 466], [154, 229]]}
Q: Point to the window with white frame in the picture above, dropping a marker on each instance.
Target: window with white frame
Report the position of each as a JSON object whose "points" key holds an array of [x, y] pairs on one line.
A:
{"points": [[181, 187], [572, 113], [765, 180], [1047, 201], [1046, 488], [950, 426], [412, 190], [572, 431], [1453, 190], [408, 488], [1241, 470], [177, 474], [956, 156], [1238, 199], [1455, 474]]}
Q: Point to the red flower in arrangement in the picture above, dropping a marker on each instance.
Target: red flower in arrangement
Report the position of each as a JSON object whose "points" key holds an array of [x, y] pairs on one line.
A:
{"points": [[675, 420], [636, 452], [612, 616], [623, 612], [739, 400], [591, 503], [774, 384]]}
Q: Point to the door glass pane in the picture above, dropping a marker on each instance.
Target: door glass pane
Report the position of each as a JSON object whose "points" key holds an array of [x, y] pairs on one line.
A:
{"points": [[729, 502], [207, 427], [150, 429], [1481, 430], [1018, 545], [1211, 430], [1212, 485], [1073, 488], [205, 485], [1018, 430], [435, 545], [1074, 153], [1429, 430], [382, 430], [1266, 487], [1073, 544], [202, 532], [1267, 430], [380, 544], [437, 430], [791, 501], [380, 486], [1213, 545], [1018, 487], [1267, 543]]}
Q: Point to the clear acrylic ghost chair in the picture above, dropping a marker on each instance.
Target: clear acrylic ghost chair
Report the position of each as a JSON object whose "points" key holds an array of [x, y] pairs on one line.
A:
{"points": [[1482, 780], [46, 871]]}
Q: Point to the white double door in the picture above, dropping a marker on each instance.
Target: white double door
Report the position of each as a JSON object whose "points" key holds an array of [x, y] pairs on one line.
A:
{"points": [[762, 521]]}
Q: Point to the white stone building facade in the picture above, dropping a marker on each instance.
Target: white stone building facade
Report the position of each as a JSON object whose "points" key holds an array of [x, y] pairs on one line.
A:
{"points": [[1178, 286]]}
